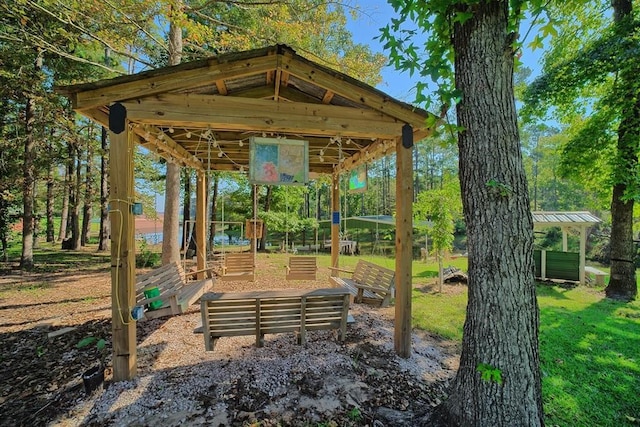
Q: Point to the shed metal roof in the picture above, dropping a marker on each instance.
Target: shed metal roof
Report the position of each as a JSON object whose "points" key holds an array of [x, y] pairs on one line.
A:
{"points": [[559, 219]]}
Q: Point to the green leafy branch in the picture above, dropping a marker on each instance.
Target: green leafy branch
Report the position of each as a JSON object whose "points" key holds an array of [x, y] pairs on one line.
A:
{"points": [[501, 188], [490, 373]]}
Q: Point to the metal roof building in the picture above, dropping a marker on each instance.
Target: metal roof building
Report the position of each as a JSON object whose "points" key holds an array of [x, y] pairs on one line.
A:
{"points": [[566, 220]]}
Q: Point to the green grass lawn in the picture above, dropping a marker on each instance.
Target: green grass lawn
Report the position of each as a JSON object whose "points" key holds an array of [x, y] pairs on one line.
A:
{"points": [[589, 346], [589, 351]]}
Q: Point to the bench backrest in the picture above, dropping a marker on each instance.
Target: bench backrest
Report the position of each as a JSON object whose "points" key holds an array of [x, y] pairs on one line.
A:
{"points": [[168, 279], [270, 312], [302, 268], [238, 262], [371, 274]]}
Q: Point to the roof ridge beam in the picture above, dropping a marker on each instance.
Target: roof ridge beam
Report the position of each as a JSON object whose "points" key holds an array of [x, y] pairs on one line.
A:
{"points": [[171, 82]]}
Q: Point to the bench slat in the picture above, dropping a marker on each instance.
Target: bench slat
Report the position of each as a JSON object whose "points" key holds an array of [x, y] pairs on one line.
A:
{"points": [[174, 292], [238, 266], [268, 312], [369, 283], [302, 268]]}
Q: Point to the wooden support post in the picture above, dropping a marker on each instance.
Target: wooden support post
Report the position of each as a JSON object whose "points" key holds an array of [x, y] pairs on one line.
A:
{"points": [[404, 243], [335, 222], [201, 221], [564, 239], [123, 274]]}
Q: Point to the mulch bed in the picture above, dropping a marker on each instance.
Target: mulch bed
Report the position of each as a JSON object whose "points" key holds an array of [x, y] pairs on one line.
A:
{"points": [[40, 373]]}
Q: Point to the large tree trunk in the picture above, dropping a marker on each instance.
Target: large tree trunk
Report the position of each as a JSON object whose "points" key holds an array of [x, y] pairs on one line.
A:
{"points": [[50, 203], [28, 171], [213, 216], [103, 235], [74, 200], [267, 207], [87, 210], [4, 228], [187, 226], [36, 215], [622, 284], [64, 213], [498, 382], [103, 238], [4, 208], [170, 228], [171, 223]]}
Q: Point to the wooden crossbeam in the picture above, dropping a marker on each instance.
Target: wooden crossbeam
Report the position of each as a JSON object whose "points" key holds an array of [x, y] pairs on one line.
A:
{"points": [[231, 113], [174, 81]]}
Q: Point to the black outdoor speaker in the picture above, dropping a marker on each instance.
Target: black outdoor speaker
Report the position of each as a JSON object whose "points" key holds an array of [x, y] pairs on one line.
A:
{"points": [[117, 118], [407, 136]]}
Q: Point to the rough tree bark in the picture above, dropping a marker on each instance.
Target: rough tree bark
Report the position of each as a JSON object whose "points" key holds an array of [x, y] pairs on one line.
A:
{"points": [[74, 201], [103, 238], [64, 212], [213, 216], [622, 284], [188, 231], [50, 202], [501, 328], [87, 209], [28, 170], [103, 235], [170, 228], [267, 207]]}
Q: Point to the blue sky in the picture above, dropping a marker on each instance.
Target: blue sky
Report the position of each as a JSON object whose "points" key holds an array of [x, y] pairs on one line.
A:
{"points": [[376, 14]]}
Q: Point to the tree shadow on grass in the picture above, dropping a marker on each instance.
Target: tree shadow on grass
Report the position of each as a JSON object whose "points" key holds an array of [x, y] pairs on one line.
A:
{"points": [[591, 372]]}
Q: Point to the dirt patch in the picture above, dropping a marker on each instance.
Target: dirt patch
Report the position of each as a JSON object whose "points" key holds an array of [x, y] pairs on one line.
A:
{"points": [[358, 382], [450, 288]]}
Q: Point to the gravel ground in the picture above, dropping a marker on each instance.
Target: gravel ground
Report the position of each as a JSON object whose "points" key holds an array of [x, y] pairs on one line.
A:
{"points": [[279, 384], [358, 382]]}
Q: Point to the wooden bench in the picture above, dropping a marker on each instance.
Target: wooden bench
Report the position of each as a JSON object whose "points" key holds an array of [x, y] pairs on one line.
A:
{"points": [[302, 268], [369, 283], [271, 312], [598, 274], [238, 266], [176, 294]]}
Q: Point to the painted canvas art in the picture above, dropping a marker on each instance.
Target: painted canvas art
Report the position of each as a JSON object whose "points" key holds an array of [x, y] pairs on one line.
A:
{"points": [[358, 179], [278, 161]]}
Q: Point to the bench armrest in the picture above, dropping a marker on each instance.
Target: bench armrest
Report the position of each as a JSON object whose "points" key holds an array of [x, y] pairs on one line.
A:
{"points": [[341, 269], [168, 295]]}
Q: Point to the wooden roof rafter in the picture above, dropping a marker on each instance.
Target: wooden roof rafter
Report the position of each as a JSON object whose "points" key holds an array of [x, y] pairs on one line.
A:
{"points": [[166, 147], [269, 91]]}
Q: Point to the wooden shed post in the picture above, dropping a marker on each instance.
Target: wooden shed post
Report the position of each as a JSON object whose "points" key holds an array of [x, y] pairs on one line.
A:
{"points": [[201, 221], [583, 253], [404, 242], [123, 274], [335, 222]]}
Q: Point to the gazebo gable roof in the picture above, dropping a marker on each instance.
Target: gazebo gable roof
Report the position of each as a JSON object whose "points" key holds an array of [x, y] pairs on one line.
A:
{"points": [[201, 113]]}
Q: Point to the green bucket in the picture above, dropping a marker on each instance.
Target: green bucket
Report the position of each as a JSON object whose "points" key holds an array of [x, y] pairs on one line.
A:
{"points": [[150, 293]]}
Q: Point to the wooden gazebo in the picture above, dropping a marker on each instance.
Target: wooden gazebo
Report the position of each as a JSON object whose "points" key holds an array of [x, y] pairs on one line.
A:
{"points": [[200, 115]]}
